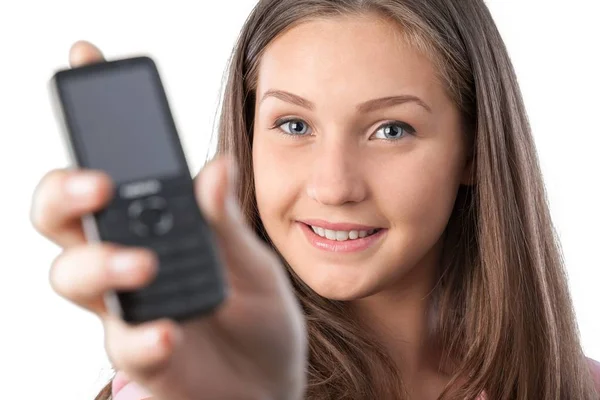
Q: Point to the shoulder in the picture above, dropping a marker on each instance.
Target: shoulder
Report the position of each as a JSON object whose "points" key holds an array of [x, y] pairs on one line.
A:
{"points": [[595, 370]]}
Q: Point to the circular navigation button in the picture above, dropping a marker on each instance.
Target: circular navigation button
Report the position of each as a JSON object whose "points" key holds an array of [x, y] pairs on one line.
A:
{"points": [[135, 209], [150, 216]]}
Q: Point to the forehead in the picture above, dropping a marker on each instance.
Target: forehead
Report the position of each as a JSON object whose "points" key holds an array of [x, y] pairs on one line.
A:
{"points": [[351, 56]]}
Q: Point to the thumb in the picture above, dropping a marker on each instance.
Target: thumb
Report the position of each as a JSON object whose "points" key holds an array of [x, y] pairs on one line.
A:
{"points": [[215, 193], [246, 256]]}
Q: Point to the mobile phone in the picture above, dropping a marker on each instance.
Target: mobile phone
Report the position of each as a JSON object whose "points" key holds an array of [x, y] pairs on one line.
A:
{"points": [[115, 117]]}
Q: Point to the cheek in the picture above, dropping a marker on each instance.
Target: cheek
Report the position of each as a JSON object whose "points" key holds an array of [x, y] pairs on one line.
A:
{"points": [[275, 190], [419, 197], [420, 192]]}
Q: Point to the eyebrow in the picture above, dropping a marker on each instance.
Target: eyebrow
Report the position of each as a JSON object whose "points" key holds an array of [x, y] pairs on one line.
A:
{"points": [[366, 107]]}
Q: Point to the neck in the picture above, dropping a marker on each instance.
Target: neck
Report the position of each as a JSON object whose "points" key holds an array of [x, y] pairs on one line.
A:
{"points": [[399, 318]]}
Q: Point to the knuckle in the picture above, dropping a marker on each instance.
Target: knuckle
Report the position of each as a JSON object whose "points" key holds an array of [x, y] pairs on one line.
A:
{"points": [[37, 220], [67, 279], [58, 281], [37, 217], [42, 199]]}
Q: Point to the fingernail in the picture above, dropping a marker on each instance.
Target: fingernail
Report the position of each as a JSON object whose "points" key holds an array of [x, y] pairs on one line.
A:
{"points": [[124, 263], [81, 185], [152, 338]]}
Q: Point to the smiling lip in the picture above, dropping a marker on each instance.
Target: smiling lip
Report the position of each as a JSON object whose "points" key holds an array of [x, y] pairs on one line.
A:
{"points": [[347, 246], [337, 226]]}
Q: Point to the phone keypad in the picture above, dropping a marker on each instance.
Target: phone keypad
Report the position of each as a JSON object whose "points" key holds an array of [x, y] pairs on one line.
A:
{"points": [[179, 307], [171, 282], [175, 247], [185, 280], [188, 280], [154, 217]]}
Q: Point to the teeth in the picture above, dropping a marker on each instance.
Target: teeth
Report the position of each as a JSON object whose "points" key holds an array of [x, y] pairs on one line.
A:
{"points": [[341, 236]]}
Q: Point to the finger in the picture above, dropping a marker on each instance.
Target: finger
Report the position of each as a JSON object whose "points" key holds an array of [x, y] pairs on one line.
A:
{"points": [[141, 350], [62, 197], [83, 52], [247, 257], [214, 184], [84, 273]]}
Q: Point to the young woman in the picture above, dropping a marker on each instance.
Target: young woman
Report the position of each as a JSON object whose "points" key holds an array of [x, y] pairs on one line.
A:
{"points": [[385, 175]]}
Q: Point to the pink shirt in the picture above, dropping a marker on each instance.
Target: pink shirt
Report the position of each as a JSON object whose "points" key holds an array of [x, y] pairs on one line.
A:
{"points": [[124, 389]]}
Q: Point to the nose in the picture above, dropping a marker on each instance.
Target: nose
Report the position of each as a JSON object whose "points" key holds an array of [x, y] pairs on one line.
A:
{"points": [[336, 177]]}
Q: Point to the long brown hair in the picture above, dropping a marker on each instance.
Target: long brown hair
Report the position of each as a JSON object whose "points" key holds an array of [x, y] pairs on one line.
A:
{"points": [[502, 311]]}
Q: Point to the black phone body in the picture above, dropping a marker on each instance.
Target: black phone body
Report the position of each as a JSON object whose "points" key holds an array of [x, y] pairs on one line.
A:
{"points": [[115, 117]]}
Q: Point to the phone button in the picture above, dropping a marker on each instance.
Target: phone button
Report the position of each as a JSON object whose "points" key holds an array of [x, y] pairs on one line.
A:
{"points": [[150, 216], [178, 246]]}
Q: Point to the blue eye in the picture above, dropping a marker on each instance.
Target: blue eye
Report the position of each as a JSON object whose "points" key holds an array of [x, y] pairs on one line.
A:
{"points": [[295, 127], [393, 130]]}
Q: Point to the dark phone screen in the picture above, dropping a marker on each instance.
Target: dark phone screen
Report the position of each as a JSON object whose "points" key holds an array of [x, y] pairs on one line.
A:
{"points": [[120, 122]]}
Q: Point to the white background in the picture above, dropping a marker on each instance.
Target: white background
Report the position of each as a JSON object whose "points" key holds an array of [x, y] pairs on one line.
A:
{"points": [[49, 348]]}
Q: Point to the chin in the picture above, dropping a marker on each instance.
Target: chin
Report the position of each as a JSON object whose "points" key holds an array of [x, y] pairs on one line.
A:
{"points": [[337, 282], [337, 294]]}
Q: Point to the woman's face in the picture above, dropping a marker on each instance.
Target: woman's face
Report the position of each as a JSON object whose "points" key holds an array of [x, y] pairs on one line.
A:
{"points": [[358, 154]]}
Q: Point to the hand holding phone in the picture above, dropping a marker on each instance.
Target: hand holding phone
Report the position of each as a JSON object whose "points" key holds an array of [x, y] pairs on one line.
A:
{"points": [[115, 118], [252, 345]]}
